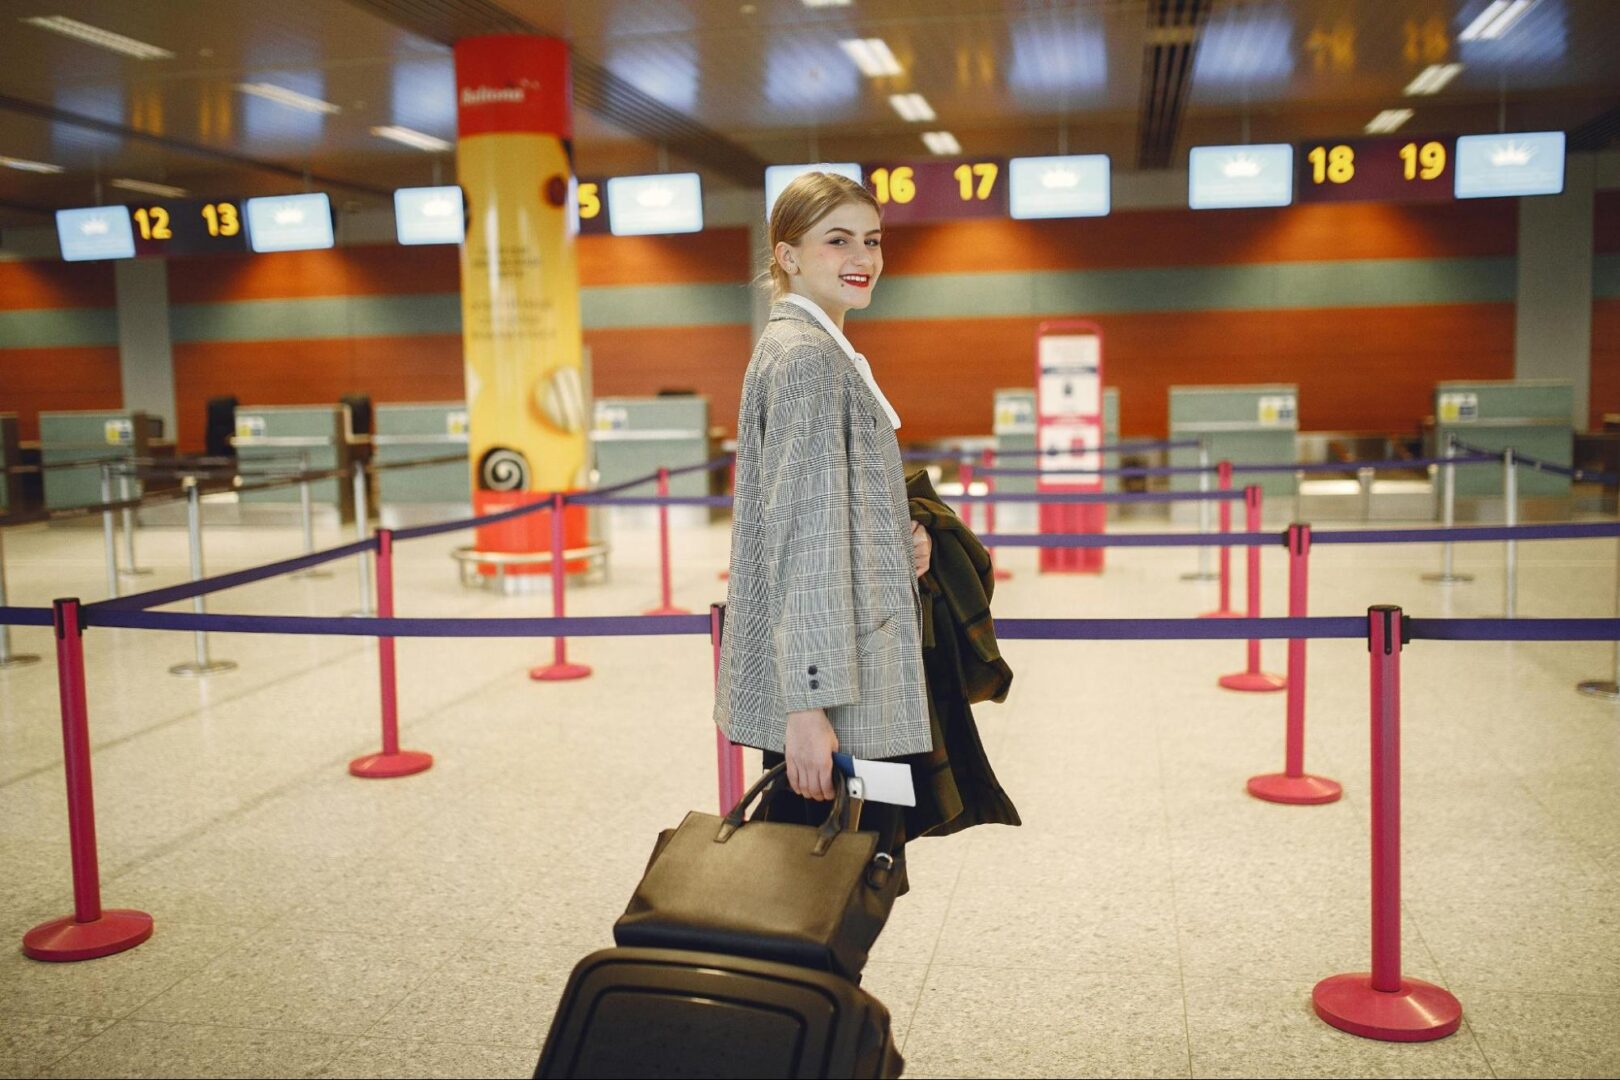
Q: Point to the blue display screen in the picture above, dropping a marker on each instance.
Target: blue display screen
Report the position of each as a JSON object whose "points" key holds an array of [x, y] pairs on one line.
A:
{"points": [[1075, 185], [1523, 163], [429, 215], [651, 205], [290, 222], [96, 232], [1229, 177], [778, 177]]}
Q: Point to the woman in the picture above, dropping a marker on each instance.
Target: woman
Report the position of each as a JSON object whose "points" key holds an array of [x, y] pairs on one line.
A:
{"points": [[822, 646]]}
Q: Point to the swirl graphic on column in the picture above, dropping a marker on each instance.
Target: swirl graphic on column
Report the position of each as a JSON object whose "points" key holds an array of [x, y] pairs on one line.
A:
{"points": [[502, 469]]}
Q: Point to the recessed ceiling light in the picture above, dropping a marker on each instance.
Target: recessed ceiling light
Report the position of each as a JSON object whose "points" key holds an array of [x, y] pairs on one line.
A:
{"points": [[872, 55], [95, 35], [941, 142], [911, 106], [1433, 79], [1495, 20], [290, 98], [411, 138], [146, 187], [24, 165], [1388, 121]]}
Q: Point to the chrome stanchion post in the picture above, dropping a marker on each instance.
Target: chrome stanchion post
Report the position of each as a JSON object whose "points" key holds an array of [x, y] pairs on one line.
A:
{"points": [[202, 665], [1205, 524], [1607, 689], [107, 530], [1448, 516], [127, 494], [1364, 480], [306, 511], [1510, 510], [362, 514], [7, 657]]}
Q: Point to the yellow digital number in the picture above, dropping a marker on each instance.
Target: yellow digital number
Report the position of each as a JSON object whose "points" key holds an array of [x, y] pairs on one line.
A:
{"points": [[221, 219], [897, 185], [154, 223], [985, 171], [1336, 166], [1424, 162], [590, 202]]}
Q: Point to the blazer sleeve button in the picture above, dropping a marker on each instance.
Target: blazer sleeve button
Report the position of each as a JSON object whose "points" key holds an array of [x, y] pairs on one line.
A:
{"points": [[812, 669], [814, 685]]}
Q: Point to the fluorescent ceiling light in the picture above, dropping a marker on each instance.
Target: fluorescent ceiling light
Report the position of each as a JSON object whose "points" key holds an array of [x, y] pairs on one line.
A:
{"points": [[411, 138], [1388, 121], [95, 35], [290, 98], [146, 187], [826, 3], [941, 142], [24, 165], [1495, 20], [912, 106], [1434, 79], [871, 55]]}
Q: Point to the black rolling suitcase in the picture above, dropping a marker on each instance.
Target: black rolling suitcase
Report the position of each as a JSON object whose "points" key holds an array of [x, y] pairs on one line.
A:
{"points": [[673, 1013]]}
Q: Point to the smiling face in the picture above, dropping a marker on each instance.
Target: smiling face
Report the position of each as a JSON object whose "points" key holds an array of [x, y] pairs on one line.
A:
{"points": [[836, 263]]}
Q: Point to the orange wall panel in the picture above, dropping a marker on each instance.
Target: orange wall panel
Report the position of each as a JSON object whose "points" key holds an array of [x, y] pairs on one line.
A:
{"points": [[350, 271], [709, 256], [640, 362], [34, 284], [58, 380]]}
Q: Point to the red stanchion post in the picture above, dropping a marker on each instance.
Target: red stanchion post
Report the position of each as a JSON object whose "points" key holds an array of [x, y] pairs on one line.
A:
{"points": [[1223, 475], [1251, 678], [731, 489], [1293, 785], [559, 668], [392, 761], [1381, 1004], [666, 605], [91, 930], [728, 755], [965, 473], [988, 460]]}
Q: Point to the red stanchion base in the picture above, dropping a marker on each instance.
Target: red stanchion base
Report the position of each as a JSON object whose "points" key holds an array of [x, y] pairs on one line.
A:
{"points": [[64, 940], [1002, 575], [1304, 790], [559, 672], [1417, 1012], [666, 611], [1254, 682], [1222, 613], [386, 766], [725, 575]]}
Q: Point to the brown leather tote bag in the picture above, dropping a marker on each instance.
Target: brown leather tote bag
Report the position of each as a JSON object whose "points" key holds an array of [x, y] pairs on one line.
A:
{"points": [[812, 896]]}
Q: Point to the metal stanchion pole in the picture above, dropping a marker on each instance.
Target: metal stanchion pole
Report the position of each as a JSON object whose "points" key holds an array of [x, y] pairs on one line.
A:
{"points": [[1510, 550], [307, 512], [107, 530], [126, 494], [7, 657], [560, 668], [202, 665], [1364, 480], [666, 602], [362, 523], [392, 761], [1607, 689], [1203, 573], [1448, 516]]}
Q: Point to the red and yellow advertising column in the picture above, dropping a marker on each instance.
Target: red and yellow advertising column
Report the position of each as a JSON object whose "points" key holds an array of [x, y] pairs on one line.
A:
{"points": [[520, 286]]}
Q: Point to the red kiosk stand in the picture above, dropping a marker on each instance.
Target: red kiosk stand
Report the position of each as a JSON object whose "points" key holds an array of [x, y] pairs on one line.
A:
{"points": [[1068, 431]]}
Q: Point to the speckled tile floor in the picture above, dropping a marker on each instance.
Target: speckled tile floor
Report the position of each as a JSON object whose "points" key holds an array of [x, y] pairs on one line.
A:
{"points": [[1148, 919]]}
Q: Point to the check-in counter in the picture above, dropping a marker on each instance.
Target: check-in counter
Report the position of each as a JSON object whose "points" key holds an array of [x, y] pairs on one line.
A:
{"points": [[284, 439], [632, 437], [1241, 424], [11, 479], [414, 432], [1533, 416], [69, 437]]}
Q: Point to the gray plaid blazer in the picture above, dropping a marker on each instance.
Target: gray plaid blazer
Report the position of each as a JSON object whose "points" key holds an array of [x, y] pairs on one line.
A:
{"points": [[821, 607]]}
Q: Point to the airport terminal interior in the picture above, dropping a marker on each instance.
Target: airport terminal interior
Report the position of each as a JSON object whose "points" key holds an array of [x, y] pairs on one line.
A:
{"points": [[1273, 346]]}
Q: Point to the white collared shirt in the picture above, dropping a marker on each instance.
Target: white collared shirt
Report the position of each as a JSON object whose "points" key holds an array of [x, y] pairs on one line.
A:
{"points": [[856, 358]]}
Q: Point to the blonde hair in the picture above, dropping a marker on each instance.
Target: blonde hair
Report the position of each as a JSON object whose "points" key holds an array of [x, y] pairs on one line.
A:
{"points": [[810, 197]]}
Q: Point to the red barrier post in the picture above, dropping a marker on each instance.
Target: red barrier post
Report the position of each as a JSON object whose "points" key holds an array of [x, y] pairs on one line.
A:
{"points": [[1293, 786], [1223, 474], [1251, 678], [728, 755], [666, 605], [731, 489], [988, 460], [1381, 1004], [392, 761], [90, 931], [965, 473], [559, 668]]}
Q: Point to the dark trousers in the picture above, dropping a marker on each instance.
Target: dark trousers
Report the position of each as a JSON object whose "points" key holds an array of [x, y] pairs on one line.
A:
{"points": [[887, 820]]}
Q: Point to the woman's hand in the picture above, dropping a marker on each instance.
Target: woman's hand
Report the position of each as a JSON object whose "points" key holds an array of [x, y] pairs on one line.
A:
{"points": [[809, 750], [921, 547]]}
